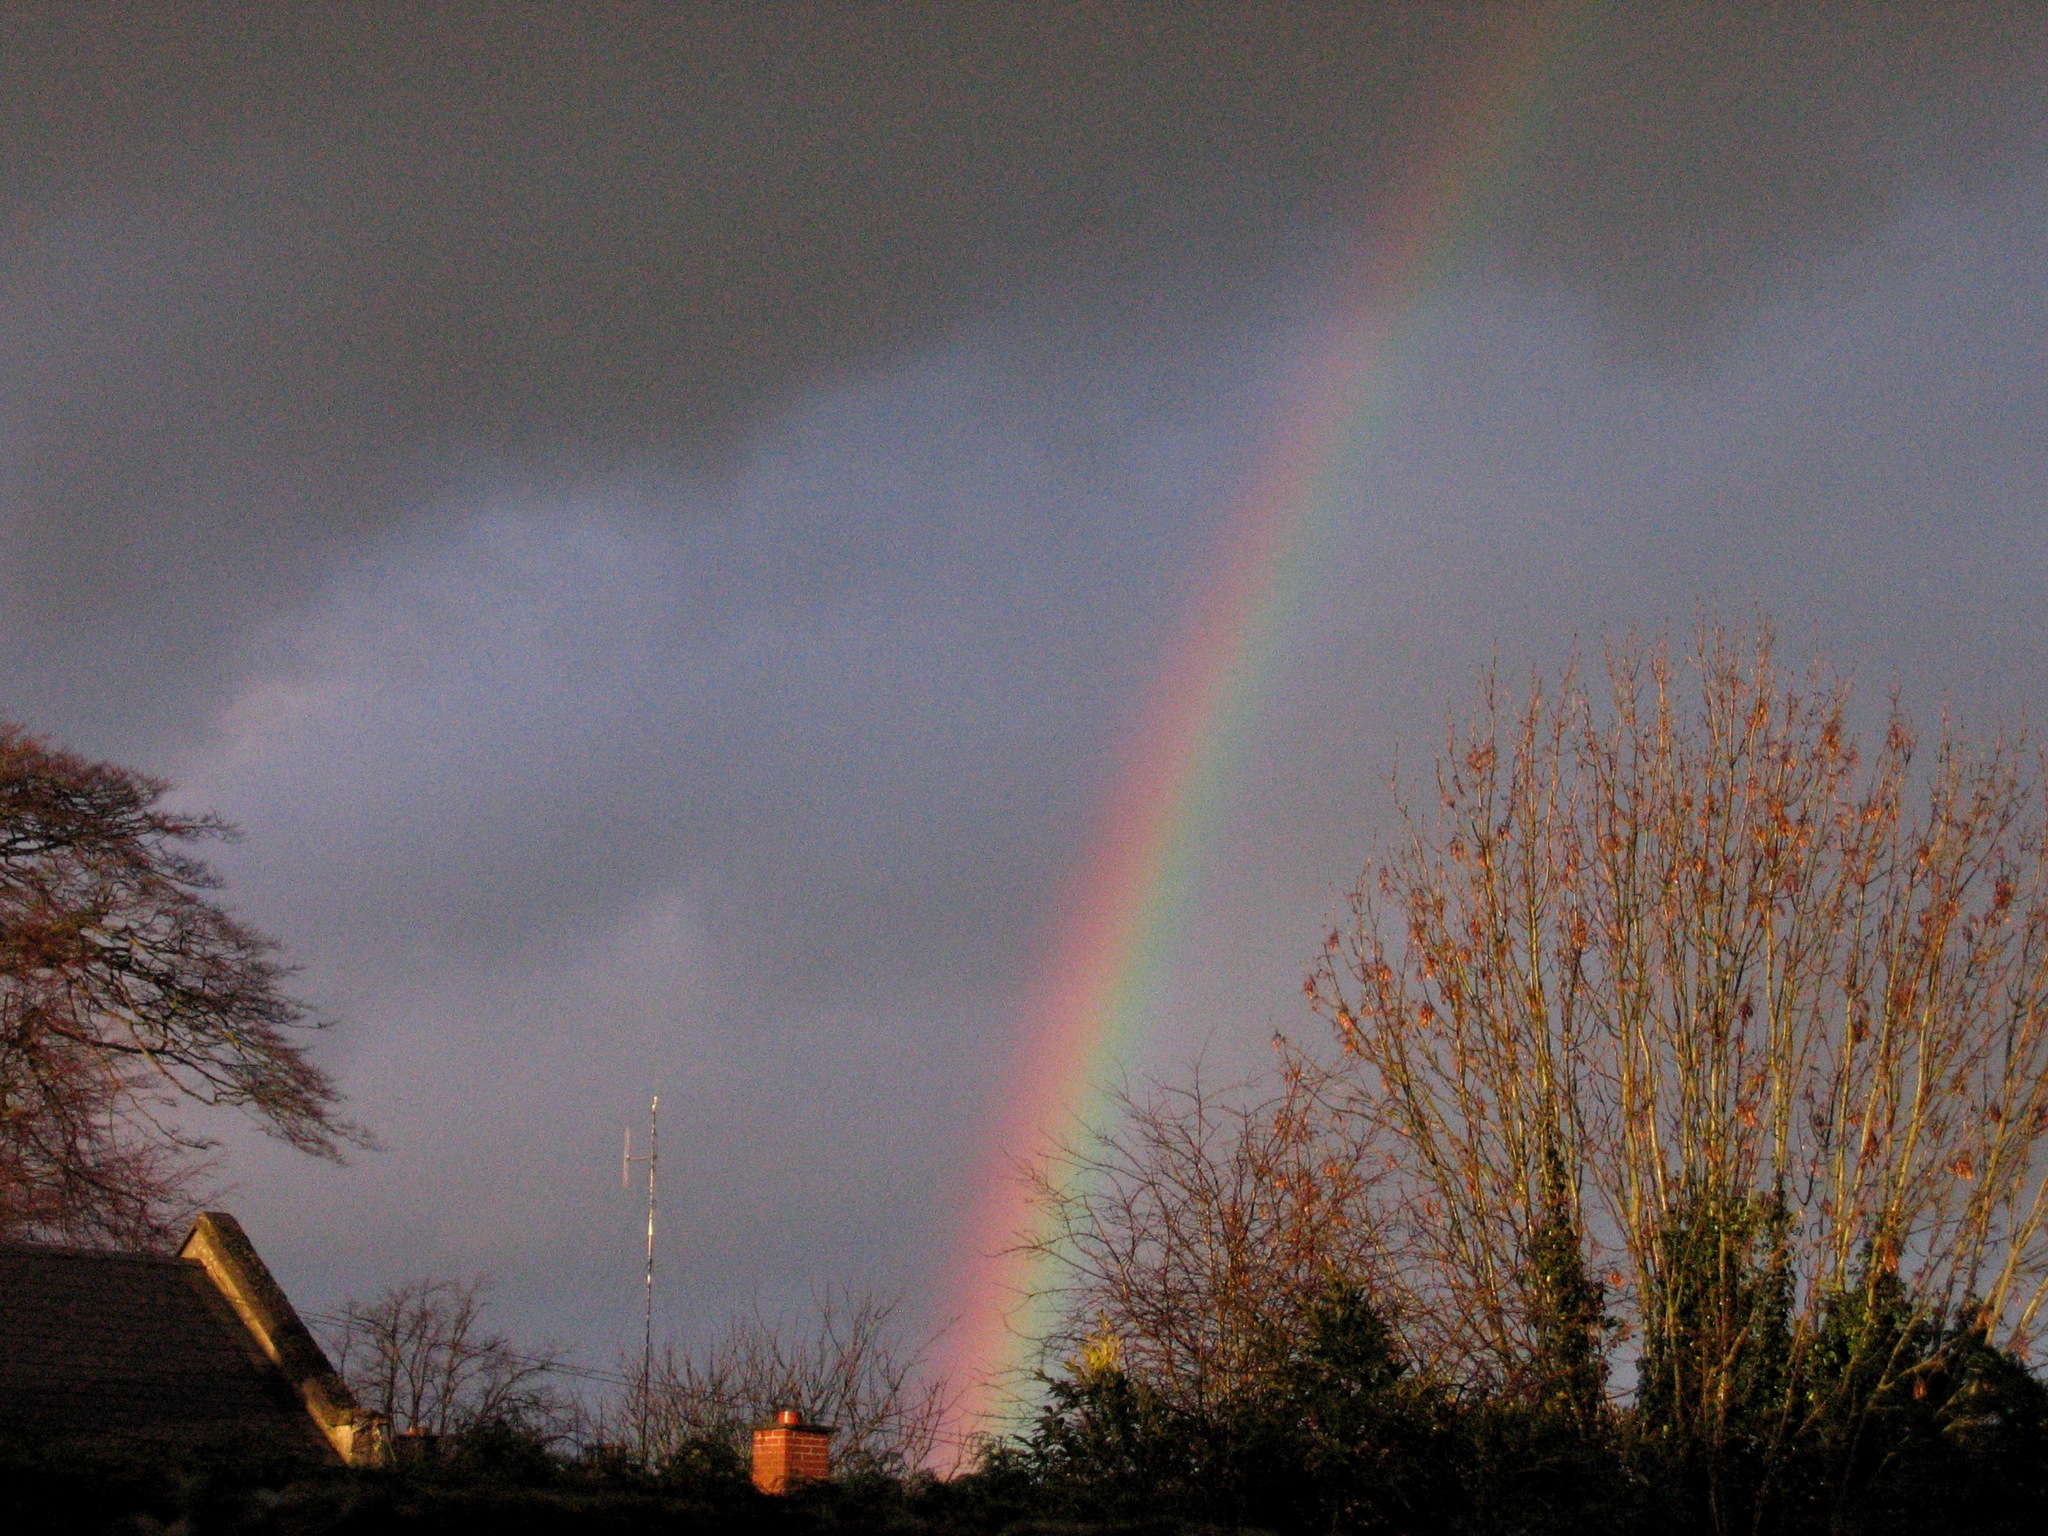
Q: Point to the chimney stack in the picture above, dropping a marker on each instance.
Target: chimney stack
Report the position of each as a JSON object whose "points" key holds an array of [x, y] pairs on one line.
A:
{"points": [[789, 1452]]}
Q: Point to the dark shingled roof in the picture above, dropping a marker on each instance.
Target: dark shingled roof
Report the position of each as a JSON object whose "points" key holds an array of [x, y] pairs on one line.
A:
{"points": [[122, 1344]]}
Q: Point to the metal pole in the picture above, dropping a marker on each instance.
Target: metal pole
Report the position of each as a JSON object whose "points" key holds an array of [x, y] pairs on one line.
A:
{"points": [[647, 1336], [626, 1162]]}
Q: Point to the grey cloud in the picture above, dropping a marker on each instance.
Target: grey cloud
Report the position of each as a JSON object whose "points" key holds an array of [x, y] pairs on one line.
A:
{"points": [[278, 280], [804, 693], [1685, 161]]}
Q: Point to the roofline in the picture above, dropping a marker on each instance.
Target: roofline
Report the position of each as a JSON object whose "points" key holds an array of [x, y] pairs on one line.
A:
{"points": [[218, 1244], [75, 1251]]}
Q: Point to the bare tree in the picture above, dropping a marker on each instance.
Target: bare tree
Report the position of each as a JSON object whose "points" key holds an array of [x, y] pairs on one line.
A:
{"points": [[848, 1367], [82, 1154], [421, 1355], [1676, 1010], [1192, 1238], [124, 992]]}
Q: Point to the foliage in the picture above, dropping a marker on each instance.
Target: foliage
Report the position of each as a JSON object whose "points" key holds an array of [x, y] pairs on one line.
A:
{"points": [[1674, 986], [1337, 1434], [1569, 1329], [124, 991], [487, 1484], [1353, 1439], [1684, 1163], [1200, 1229]]}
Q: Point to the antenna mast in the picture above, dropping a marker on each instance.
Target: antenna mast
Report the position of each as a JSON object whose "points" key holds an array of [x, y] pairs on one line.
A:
{"points": [[653, 1161]]}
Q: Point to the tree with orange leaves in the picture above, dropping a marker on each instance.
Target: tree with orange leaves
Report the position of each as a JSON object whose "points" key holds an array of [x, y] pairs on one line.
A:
{"points": [[1702, 1042]]}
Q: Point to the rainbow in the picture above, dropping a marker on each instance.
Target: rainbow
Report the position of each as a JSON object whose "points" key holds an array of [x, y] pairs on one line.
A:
{"points": [[1178, 766]]}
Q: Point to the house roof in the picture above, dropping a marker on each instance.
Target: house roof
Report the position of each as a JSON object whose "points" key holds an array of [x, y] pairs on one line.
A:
{"points": [[96, 1343]]}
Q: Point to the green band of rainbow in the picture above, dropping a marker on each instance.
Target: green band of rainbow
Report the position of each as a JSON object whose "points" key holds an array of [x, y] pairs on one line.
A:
{"points": [[1162, 818]]}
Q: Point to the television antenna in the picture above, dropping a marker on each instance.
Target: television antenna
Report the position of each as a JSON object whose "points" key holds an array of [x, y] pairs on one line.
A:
{"points": [[653, 1161]]}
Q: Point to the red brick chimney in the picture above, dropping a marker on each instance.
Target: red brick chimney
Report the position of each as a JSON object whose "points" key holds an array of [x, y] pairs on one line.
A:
{"points": [[789, 1452]]}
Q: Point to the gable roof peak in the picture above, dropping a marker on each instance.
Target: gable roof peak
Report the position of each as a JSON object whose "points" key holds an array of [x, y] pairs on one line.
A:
{"points": [[220, 1246]]}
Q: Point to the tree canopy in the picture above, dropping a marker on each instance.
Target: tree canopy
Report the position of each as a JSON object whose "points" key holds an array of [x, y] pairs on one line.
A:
{"points": [[1683, 1155], [128, 992]]}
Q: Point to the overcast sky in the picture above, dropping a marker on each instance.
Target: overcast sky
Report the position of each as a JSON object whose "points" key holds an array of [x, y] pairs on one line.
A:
{"points": [[654, 521]]}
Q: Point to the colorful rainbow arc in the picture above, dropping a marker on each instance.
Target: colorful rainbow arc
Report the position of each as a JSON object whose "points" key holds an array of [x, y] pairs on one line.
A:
{"points": [[1170, 795]]}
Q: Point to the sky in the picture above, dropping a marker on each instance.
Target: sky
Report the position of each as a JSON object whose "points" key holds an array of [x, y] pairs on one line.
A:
{"points": [[664, 526]]}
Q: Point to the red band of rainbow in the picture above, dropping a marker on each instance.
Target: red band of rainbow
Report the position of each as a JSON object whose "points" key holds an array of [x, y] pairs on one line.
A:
{"points": [[1168, 799]]}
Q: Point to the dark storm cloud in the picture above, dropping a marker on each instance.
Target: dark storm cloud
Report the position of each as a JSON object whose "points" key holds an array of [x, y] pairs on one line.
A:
{"points": [[275, 279], [1684, 160]]}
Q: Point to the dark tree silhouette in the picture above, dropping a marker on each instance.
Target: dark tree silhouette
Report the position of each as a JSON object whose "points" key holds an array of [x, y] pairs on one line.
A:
{"points": [[126, 991]]}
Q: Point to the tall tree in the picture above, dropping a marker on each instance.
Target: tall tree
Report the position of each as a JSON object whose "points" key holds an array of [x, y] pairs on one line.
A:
{"points": [[1678, 978], [126, 991]]}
